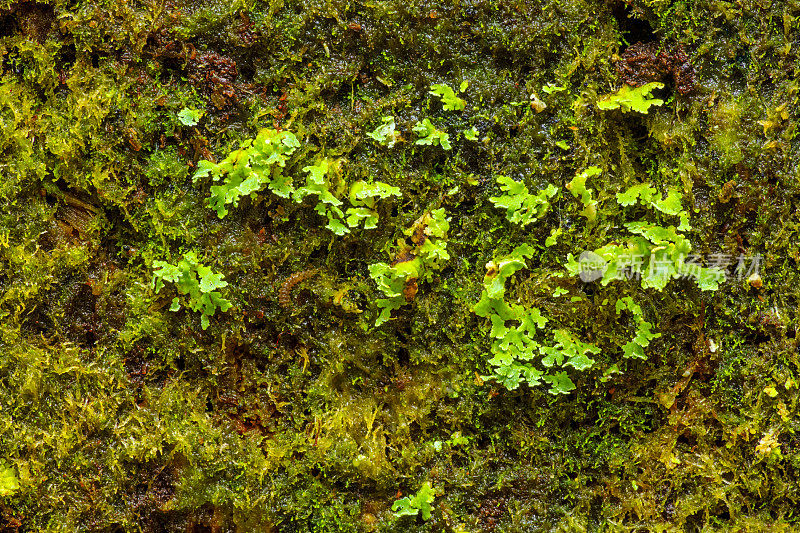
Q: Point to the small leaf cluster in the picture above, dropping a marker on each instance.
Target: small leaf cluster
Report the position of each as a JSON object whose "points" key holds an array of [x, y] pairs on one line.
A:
{"points": [[578, 189], [194, 280], [643, 336], [363, 198], [629, 98], [385, 134], [649, 197], [9, 484], [328, 205], [414, 262], [260, 163], [514, 329], [450, 102], [429, 135], [471, 134], [521, 206], [190, 116], [256, 164], [655, 253], [419, 503]]}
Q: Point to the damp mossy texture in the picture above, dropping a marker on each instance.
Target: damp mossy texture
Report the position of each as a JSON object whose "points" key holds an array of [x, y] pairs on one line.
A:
{"points": [[399, 265]]}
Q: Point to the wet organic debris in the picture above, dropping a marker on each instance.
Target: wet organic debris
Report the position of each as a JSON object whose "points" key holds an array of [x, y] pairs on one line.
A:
{"points": [[643, 63]]}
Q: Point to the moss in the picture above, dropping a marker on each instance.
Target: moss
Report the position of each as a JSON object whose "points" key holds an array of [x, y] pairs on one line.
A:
{"points": [[119, 415]]}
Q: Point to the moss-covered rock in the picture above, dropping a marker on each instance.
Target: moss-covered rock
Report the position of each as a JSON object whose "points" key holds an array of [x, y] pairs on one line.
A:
{"points": [[293, 410]]}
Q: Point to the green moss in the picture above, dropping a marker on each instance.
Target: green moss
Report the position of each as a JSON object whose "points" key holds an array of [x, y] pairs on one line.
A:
{"points": [[120, 416]]}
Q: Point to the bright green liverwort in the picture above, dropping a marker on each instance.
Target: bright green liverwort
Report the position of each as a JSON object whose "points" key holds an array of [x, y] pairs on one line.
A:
{"points": [[518, 356], [450, 102], [194, 280], [631, 98], [9, 484], [420, 503], [363, 197], [579, 190], [521, 206], [649, 197], [655, 253], [635, 348], [385, 134], [514, 327], [420, 261], [189, 116], [514, 332], [258, 163], [429, 135], [318, 184]]}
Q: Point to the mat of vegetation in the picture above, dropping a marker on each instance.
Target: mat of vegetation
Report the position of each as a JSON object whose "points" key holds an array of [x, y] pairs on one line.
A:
{"points": [[399, 265]]}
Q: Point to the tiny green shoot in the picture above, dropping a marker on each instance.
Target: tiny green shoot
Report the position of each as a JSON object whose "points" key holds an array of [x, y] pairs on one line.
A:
{"points": [[419, 503], [450, 102], [189, 116], [629, 98]]}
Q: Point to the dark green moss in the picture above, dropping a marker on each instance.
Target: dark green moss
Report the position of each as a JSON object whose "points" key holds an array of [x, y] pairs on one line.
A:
{"points": [[120, 415]]}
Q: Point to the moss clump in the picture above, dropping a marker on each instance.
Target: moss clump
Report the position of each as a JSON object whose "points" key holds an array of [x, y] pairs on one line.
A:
{"points": [[121, 415]]}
